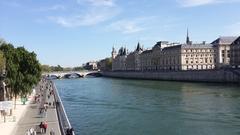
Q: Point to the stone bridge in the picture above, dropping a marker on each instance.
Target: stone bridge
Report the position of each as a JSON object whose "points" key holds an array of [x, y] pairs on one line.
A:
{"points": [[69, 73]]}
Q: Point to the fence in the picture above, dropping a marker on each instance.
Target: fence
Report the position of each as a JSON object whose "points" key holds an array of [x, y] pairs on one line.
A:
{"points": [[65, 126]]}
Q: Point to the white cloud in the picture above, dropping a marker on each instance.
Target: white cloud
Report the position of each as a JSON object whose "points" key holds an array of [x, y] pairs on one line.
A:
{"points": [[194, 3], [125, 26], [108, 3], [129, 26], [97, 11], [90, 18]]}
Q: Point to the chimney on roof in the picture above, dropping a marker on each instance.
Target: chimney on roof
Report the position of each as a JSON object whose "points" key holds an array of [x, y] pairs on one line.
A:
{"points": [[204, 42]]}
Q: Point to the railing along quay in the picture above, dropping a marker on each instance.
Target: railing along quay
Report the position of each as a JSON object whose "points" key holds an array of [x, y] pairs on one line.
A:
{"points": [[64, 124]]}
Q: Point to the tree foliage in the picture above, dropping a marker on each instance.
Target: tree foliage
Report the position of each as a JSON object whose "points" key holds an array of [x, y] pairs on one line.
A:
{"points": [[2, 63], [23, 70]]}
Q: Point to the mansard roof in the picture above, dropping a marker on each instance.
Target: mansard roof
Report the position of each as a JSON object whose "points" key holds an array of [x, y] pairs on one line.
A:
{"points": [[172, 47], [224, 40], [197, 46], [147, 51], [236, 42], [187, 46]]}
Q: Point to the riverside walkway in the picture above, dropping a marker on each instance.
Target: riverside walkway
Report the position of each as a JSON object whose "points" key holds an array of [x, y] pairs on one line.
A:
{"points": [[32, 118]]}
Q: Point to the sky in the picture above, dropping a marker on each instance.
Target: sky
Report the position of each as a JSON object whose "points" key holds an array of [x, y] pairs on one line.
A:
{"points": [[72, 32]]}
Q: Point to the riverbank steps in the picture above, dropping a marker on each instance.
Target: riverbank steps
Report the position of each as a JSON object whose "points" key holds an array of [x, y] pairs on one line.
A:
{"points": [[41, 109]]}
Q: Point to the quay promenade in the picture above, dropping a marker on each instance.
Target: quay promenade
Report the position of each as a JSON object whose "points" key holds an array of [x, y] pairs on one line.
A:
{"points": [[32, 117]]}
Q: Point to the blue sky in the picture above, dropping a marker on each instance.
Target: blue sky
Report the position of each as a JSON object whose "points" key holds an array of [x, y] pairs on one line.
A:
{"points": [[71, 32]]}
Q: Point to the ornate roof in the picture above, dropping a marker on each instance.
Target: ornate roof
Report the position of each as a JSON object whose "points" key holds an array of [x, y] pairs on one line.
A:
{"points": [[197, 46], [138, 47], [147, 51], [224, 40], [236, 42]]}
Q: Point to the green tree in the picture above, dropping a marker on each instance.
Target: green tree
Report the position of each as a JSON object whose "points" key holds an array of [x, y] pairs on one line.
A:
{"points": [[57, 68], [46, 68], [23, 70], [78, 68], [30, 70], [2, 63], [108, 64], [11, 68]]}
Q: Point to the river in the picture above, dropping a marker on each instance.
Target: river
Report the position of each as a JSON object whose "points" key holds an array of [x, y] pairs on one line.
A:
{"points": [[106, 106]]}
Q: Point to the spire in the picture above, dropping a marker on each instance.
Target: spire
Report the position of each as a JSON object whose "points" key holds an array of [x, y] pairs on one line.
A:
{"points": [[114, 53], [138, 47], [113, 49], [187, 39]]}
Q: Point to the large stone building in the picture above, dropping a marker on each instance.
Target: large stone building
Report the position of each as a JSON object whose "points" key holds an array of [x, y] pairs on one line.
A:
{"points": [[175, 56], [119, 61], [222, 48], [235, 53], [133, 59], [179, 57]]}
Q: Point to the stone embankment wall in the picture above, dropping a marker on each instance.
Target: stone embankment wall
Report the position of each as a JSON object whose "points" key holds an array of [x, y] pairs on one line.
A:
{"points": [[223, 75]]}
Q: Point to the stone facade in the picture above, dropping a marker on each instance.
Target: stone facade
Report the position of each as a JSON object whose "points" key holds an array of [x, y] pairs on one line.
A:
{"points": [[222, 48], [179, 57], [235, 53], [133, 59], [119, 62], [164, 56]]}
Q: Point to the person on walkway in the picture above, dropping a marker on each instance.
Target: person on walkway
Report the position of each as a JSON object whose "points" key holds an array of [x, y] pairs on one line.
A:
{"points": [[45, 127], [31, 131], [52, 132], [41, 127], [69, 131], [28, 132]]}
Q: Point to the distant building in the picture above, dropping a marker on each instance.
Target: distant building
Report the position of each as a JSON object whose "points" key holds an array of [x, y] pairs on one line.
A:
{"points": [[197, 57], [133, 59], [174, 56], [91, 66], [119, 61], [235, 53], [222, 48], [179, 57], [145, 59]]}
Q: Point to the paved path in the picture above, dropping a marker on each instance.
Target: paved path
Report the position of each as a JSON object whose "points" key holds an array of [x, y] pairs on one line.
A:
{"points": [[32, 119]]}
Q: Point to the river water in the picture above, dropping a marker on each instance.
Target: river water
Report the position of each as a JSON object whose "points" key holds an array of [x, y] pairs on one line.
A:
{"points": [[106, 106]]}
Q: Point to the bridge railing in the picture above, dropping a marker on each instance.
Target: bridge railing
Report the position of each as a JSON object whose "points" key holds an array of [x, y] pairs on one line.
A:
{"points": [[65, 126]]}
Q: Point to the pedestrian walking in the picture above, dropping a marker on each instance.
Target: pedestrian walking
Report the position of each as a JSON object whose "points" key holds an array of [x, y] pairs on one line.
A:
{"points": [[28, 132], [52, 132], [31, 131], [45, 127], [41, 127], [69, 131]]}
